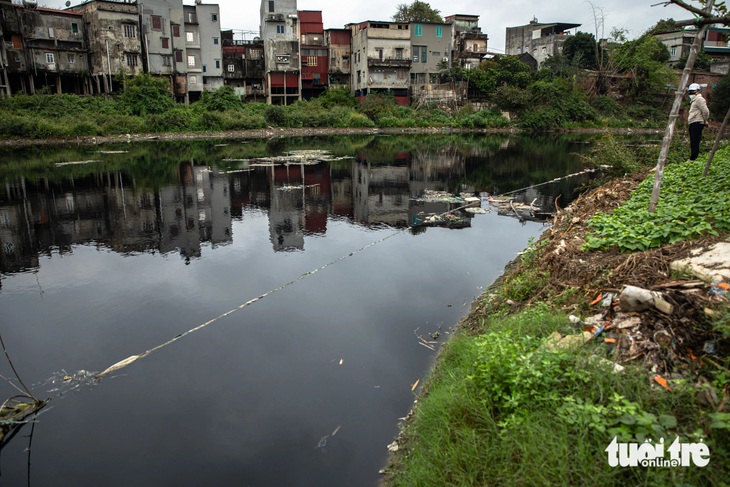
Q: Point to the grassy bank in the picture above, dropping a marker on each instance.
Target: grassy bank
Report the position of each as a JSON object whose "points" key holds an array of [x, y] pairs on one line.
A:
{"points": [[504, 406]]}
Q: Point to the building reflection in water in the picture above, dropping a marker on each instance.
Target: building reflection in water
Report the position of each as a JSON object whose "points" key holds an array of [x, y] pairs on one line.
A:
{"points": [[114, 211]]}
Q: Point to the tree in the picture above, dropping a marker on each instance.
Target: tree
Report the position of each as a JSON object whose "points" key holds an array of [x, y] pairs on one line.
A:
{"points": [[145, 94], [644, 61], [664, 26], [417, 12], [703, 61], [720, 101], [580, 50]]}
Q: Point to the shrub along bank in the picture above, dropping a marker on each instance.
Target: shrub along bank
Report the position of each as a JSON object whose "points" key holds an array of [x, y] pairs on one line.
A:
{"points": [[145, 106], [503, 407]]}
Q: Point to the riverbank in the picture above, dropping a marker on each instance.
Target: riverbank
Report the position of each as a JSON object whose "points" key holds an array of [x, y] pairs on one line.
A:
{"points": [[526, 395]]}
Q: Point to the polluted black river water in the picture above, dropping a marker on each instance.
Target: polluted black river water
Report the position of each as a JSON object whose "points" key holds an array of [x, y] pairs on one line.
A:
{"points": [[248, 312]]}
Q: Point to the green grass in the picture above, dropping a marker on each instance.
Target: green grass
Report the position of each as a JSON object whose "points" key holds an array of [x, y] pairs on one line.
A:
{"points": [[501, 410]]}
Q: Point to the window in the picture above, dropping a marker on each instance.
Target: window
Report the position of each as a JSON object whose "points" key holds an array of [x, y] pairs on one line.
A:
{"points": [[217, 64], [205, 68], [311, 60], [674, 51], [130, 30], [156, 22], [191, 61], [75, 28], [271, 6], [51, 32], [165, 43], [279, 29], [399, 53], [418, 30], [190, 37], [231, 68], [178, 56], [71, 59], [215, 41], [50, 58], [192, 18], [175, 30], [439, 31], [131, 60], [193, 79], [214, 17], [419, 54], [167, 60]]}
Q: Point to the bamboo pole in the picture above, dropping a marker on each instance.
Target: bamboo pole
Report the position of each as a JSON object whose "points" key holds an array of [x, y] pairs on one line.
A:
{"points": [[717, 142]]}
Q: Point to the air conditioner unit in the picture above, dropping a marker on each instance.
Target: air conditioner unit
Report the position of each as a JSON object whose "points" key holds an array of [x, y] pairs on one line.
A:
{"points": [[446, 60]]}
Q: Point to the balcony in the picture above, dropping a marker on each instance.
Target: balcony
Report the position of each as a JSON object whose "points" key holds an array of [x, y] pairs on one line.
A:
{"points": [[275, 18], [388, 63]]}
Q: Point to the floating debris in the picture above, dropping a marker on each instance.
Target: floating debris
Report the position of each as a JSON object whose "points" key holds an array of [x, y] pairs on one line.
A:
{"points": [[72, 163], [113, 152], [297, 157]]}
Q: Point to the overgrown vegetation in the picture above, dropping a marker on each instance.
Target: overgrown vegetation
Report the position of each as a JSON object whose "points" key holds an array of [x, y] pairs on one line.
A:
{"points": [[506, 406], [691, 206]]}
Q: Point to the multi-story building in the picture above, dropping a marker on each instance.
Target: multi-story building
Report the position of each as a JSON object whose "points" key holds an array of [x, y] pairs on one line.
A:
{"points": [[469, 44], [163, 44], [114, 40], [314, 55], [539, 40], [717, 46], [42, 48], [678, 44], [431, 49], [380, 59], [338, 45], [243, 66], [280, 32], [203, 48]]}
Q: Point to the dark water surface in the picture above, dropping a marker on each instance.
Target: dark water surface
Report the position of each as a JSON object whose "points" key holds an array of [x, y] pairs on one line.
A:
{"points": [[109, 252]]}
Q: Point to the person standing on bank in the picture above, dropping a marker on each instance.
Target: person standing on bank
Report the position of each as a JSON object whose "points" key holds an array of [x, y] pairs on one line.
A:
{"points": [[698, 117]]}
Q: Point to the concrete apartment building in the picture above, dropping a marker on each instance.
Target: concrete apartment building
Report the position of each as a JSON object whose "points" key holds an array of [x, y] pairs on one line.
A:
{"points": [[204, 49], [380, 59], [114, 41], [163, 42], [314, 55], [338, 45], [42, 48], [469, 43], [431, 47], [539, 40], [280, 33], [243, 66]]}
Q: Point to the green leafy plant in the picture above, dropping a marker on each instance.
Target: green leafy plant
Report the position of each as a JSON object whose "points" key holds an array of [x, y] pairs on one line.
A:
{"points": [[691, 206]]}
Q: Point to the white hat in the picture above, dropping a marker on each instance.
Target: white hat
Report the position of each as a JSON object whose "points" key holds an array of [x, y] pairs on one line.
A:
{"points": [[693, 87]]}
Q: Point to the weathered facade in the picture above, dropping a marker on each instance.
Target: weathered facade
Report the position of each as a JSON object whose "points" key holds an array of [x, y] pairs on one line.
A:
{"points": [[338, 45], [280, 33], [314, 55], [540, 40], [113, 37], [42, 49], [164, 44], [381, 59], [678, 44], [203, 48], [243, 66], [469, 43]]}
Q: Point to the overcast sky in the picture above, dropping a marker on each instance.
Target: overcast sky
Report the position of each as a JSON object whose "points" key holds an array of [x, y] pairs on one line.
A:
{"points": [[494, 17]]}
